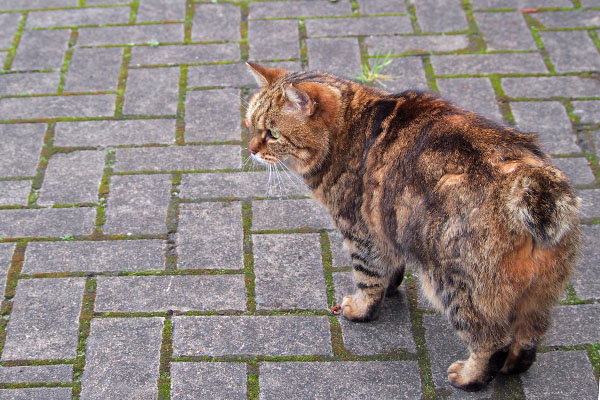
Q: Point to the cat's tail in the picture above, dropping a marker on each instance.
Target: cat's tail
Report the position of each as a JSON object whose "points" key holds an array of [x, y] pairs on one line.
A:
{"points": [[542, 199]]}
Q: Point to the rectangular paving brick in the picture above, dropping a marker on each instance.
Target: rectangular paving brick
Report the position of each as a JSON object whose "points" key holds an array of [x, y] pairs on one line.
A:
{"points": [[41, 50], [140, 34], [585, 279], [563, 86], [577, 169], [44, 322], [306, 8], [72, 178], [14, 192], [138, 204], [503, 4], [289, 272], [160, 98], [32, 4], [404, 73], [56, 393], [590, 203], [94, 256], [433, 18], [274, 214], [405, 44], [340, 256], [160, 10], [163, 293], [6, 253], [184, 54], [93, 70], [572, 325], [358, 26], [37, 373], [340, 380], [203, 380], [74, 17], [505, 31], [8, 28], [502, 63], [381, 6], [201, 107], [569, 19], [347, 62], [122, 358], [113, 133], [100, 105], [262, 35], [268, 336], [21, 146], [568, 58], [588, 112], [34, 83], [473, 94], [221, 249], [219, 75], [47, 222], [214, 22]]}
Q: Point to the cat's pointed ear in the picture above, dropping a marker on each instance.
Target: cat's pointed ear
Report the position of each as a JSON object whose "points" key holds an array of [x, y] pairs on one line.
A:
{"points": [[300, 99], [265, 76]]}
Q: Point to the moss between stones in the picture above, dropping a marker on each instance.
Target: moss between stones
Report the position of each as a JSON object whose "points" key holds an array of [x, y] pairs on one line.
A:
{"points": [[327, 261], [249, 276], [252, 372], [166, 352], [85, 316]]}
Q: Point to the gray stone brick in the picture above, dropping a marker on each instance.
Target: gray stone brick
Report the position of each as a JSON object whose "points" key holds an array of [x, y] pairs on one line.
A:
{"points": [[32, 4], [519, 4], [58, 393], [587, 111], [75, 17], [590, 203], [306, 8], [72, 178], [270, 214], [347, 61], [381, 6], [340, 380], [163, 293], [191, 381], [222, 248], [550, 121], [405, 44], [94, 70], [576, 377], [161, 10], [44, 322], [589, 3], [267, 336], [289, 272], [122, 358], [475, 94], [577, 169], [104, 2], [213, 115], [358, 26], [573, 325], [565, 57], [340, 256], [114, 133], [564, 86], [390, 332], [37, 373], [262, 35], [138, 204], [8, 28], [219, 75], [404, 73], [433, 18], [569, 19], [6, 253], [41, 49], [185, 54], [14, 192], [140, 34], [183, 158], [95, 105], [23, 83], [505, 31], [20, 148], [47, 222], [216, 22], [94, 256], [585, 279], [159, 98], [501, 63]]}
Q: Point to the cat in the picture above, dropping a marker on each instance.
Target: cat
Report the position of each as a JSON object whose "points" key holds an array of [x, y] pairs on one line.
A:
{"points": [[411, 179]]}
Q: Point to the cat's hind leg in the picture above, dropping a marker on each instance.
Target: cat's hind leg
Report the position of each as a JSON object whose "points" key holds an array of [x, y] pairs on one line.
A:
{"points": [[394, 282]]}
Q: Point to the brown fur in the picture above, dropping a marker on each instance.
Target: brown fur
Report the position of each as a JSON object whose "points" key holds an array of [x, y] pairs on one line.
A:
{"points": [[411, 179]]}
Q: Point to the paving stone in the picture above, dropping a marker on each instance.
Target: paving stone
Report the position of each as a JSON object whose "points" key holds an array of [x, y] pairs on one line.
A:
{"points": [[289, 272], [390, 332], [163, 293], [191, 381], [347, 62], [34, 83], [306, 8], [381, 6], [405, 73], [340, 256], [505, 31], [564, 86], [8, 28], [589, 3], [222, 248], [202, 107], [161, 10], [550, 122], [585, 279], [94, 70], [590, 203], [44, 322], [14, 192], [358, 26], [405, 44], [183, 158], [75, 17], [95, 105], [263, 335], [159, 98], [573, 325], [140, 34], [32, 4], [474, 94], [94, 256], [587, 111], [47, 222], [433, 18], [41, 50], [72, 178], [104, 2], [184, 54], [113, 133], [501, 63], [58, 393], [569, 19], [340, 380], [37, 373], [6, 253], [262, 35], [122, 358], [216, 22], [269, 214], [138, 204], [219, 75], [567, 58], [520, 4], [577, 169], [21, 145]]}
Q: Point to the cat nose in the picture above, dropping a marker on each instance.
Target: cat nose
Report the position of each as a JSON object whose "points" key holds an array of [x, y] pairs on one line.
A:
{"points": [[252, 147]]}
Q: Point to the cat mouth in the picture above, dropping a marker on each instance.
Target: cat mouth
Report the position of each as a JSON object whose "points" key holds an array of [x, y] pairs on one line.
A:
{"points": [[266, 160]]}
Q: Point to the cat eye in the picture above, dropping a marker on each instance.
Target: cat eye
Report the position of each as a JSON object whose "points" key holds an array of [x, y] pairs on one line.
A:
{"points": [[274, 133]]}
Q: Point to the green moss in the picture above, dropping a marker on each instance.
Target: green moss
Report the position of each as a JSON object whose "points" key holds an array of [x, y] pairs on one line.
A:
{"points": [[337, 339], [430, 74], [34, 385], [593, 353], [252, 372], [535, 26], [135, 5], [166, 351], [410, 7], [249, 275], [327, 265], [122, 81], [476, 42], [303, 47], [15, 43], [180, 123], [85, 316], [502, 99], [244, 46], [66, 62]]}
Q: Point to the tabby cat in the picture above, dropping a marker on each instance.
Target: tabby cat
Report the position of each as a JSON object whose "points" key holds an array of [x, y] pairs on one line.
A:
{"points": [[413, 180]]}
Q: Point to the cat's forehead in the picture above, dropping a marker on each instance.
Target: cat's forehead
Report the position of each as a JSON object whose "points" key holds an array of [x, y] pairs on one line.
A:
{"points": [[260, 106]]}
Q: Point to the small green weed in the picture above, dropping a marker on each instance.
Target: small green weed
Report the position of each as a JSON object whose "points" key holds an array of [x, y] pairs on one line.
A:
{"points": [[374, 73], [67, 237]]}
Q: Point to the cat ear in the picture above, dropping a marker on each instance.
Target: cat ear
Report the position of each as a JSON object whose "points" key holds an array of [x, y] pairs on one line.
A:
{"points": [[300, 99], [263, 75]]}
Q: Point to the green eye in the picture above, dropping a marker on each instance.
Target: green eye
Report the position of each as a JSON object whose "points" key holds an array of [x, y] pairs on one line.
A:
{"points": [[275, 133]]}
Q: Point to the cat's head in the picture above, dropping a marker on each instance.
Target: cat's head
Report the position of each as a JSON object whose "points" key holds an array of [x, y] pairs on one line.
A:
{"points": [[291, 118]]}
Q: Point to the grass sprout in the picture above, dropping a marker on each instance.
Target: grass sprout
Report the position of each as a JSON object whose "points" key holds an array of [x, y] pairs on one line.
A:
{"points": [[374, 73]]}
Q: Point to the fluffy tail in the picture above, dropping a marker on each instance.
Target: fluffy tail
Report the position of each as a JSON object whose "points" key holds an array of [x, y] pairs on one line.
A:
{"points": [[542, 199]]}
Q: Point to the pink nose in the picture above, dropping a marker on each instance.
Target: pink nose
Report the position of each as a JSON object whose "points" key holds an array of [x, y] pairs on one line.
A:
{"points": [[247, 123]]}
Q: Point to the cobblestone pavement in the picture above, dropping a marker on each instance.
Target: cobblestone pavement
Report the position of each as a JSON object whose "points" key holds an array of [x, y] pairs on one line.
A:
{"points": [[141, 257]]}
